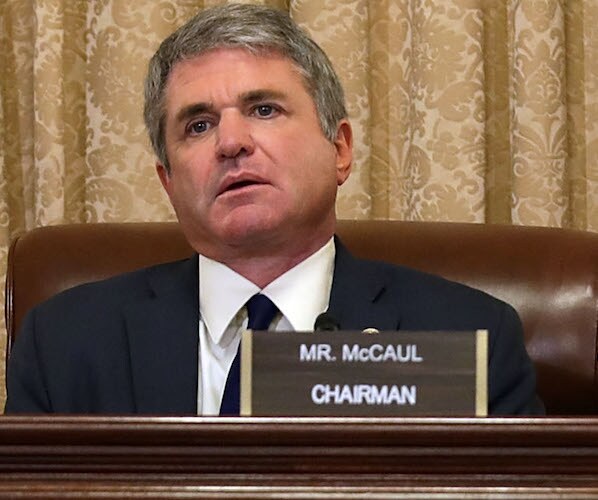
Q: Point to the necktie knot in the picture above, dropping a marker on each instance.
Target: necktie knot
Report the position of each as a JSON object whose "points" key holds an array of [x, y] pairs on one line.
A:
{"points": [[260, 312]]}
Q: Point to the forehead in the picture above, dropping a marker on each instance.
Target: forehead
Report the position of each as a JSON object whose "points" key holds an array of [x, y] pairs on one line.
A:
{"points": [[234, 70]]}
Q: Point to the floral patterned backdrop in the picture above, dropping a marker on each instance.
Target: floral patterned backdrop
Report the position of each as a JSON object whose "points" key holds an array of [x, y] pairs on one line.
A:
{"points": [[463, 110]]}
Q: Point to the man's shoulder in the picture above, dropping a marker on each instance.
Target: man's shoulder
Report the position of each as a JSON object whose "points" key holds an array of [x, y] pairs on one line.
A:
{"points": [[417, 292], [410, 281], [115, 290]]}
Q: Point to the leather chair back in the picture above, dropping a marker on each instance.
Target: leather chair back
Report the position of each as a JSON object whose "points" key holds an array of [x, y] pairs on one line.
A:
{"points": [[549, 275]]}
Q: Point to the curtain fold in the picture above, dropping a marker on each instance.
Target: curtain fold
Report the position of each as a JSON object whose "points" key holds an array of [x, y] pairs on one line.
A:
{"points": [[463, 110]]}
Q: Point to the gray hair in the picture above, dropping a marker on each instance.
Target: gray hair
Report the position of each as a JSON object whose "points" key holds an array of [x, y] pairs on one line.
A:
{"points": [[257, 29]]}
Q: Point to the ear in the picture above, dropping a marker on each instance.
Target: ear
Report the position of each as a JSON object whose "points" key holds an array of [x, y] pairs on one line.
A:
{"points": [[164, 176], [344, 151]]}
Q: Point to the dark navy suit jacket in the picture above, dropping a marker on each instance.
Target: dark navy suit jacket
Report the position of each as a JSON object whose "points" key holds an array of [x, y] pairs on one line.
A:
{"points": [[129, 344]]}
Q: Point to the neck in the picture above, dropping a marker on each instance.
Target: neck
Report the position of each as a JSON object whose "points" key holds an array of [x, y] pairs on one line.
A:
{"points": [[263, 270], [261, 258]]}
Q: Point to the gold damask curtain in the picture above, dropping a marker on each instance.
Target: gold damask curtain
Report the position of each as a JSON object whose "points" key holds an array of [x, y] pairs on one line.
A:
{"points": [[464, 110]]}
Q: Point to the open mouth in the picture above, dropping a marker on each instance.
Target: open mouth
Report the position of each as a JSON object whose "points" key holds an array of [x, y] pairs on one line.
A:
{"points": [[240, 185]]}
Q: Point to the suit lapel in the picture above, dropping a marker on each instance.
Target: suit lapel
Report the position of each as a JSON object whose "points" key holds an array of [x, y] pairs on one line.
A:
{"points": [[162, 328], [163, 339], [360, 296]]}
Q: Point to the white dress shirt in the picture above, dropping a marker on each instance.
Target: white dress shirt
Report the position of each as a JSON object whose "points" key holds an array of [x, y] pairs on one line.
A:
{"points": [[300, 294]]}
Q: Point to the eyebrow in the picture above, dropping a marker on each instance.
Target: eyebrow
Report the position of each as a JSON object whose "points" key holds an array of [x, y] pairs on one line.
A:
{"points": [[261, 95], [187, 112], [250, 97]]}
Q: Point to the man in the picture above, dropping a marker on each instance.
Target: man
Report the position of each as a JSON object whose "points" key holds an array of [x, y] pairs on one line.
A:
{"points": [[247, 119]]}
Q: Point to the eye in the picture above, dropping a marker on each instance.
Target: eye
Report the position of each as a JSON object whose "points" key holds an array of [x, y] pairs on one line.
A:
{"points": [[265, 110], [198, 127]]}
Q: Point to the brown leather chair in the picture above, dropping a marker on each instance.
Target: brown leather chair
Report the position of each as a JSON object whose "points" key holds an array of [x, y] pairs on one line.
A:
{"points": [[549, 275]]}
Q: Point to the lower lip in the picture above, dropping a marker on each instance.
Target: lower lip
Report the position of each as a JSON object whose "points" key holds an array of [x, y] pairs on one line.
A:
{"points": [[241, 190]]}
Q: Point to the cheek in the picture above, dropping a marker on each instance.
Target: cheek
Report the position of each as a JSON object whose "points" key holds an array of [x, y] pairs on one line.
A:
{"points": [[189, 159], [315, 178], [190, 173], [318, 165], [186, 188]]}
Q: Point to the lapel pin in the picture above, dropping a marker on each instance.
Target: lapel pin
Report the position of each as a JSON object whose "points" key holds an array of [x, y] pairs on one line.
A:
{"points": [[370, 331]]}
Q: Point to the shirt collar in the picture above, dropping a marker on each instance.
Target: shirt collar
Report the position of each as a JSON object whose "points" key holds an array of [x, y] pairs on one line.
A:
{"points": [[222, 293], [300, 294], [303, 292]]}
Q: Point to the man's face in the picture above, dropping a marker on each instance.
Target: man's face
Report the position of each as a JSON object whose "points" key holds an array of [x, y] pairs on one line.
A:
{"points": [[251, 170]]}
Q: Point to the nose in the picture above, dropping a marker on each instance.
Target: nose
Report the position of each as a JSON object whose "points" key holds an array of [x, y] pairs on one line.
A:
{"points": [[233, 137]]}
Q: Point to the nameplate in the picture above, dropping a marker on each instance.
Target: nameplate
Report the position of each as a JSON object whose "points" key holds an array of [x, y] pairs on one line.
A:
{"points": [[348, 373]]}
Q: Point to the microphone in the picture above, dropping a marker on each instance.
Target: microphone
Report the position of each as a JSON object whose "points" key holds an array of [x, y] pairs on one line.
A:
{"points": [[325, 322]]}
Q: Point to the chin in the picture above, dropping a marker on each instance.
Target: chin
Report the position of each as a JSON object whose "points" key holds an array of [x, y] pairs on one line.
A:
{"points": [[241, 234]]}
